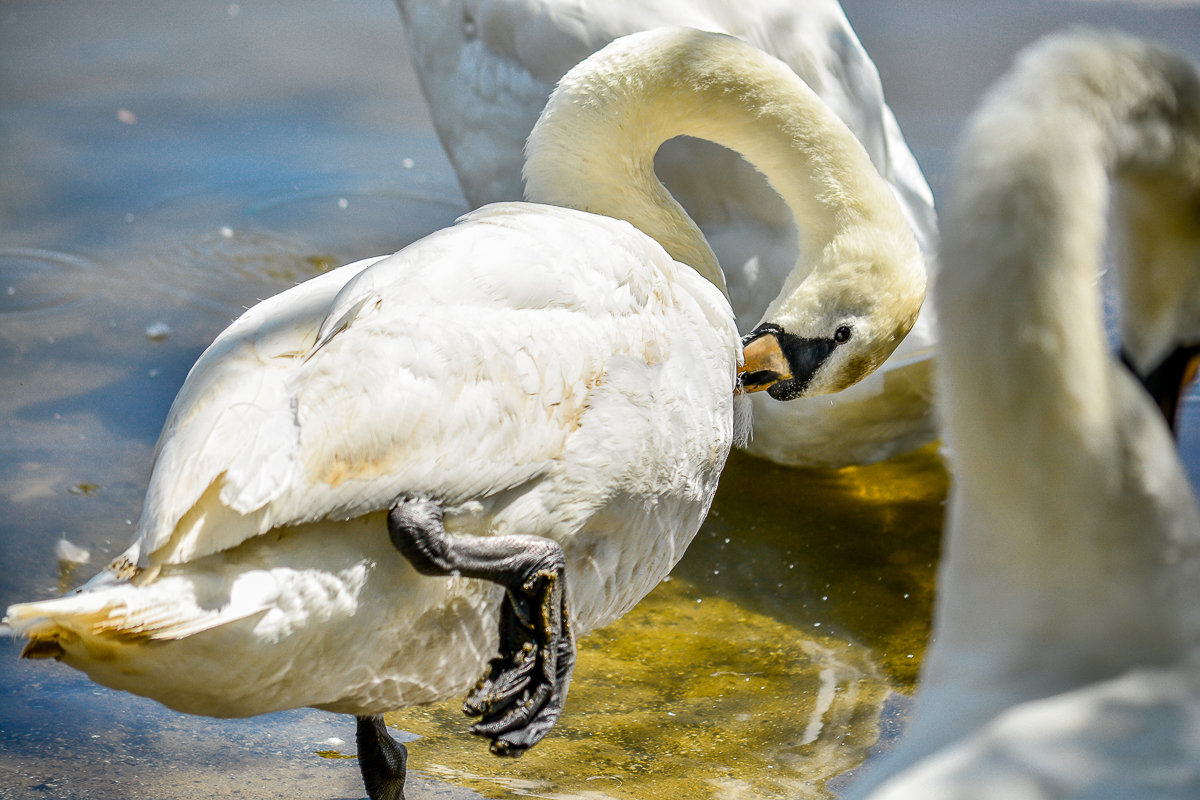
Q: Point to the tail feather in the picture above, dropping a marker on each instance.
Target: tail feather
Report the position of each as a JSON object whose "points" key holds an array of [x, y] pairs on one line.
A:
{"points": [[118, 613]]}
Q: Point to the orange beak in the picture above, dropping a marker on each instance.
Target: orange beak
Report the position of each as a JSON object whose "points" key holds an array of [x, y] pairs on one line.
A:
{"points": [[765, 364]]}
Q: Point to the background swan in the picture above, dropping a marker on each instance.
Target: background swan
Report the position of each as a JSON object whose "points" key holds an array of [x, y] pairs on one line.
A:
{"points": [[533, 377], [1067, 626], [486, 68]]}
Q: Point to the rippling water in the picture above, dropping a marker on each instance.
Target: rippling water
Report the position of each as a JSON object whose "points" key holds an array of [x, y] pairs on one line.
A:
{"points": [[163, 166]]}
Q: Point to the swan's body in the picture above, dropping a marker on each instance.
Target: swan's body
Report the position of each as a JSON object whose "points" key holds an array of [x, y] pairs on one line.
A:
{"points": [[487, 67], [586, 400], [534, 371], [1067, 625]]}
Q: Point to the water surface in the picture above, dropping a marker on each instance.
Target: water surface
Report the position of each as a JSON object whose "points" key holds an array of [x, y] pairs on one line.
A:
{"points": [[166, 165]]}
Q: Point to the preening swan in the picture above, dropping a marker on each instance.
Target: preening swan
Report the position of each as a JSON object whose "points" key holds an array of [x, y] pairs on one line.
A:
{"points": [[486, 68], [1067, 624], [538, 396]]}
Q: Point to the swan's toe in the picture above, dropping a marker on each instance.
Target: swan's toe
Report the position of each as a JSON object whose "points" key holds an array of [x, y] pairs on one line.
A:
{"points": [[522, 694]]}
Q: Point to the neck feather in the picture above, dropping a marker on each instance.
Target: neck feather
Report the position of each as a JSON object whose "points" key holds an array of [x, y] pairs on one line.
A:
{"points": [[594, 147]]}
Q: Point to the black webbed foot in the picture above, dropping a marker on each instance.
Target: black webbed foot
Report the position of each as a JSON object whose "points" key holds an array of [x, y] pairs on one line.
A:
{"points": [[381, 759], [521, 695]]}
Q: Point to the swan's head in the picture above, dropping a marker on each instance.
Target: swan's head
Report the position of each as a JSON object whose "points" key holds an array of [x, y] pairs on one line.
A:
{"points": [[1156, 197], [835, 325], [1160, 298], [1167, 382]]}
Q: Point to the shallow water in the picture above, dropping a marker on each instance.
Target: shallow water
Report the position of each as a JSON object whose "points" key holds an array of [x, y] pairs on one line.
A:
{"points": [[165, 165]]}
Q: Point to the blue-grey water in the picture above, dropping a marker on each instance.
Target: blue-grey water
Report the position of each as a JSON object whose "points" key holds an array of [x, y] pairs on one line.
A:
{"points": [[164, 165]]}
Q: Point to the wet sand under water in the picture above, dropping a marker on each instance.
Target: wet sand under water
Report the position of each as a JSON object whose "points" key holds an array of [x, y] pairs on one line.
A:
{"points": [[763, 667]]}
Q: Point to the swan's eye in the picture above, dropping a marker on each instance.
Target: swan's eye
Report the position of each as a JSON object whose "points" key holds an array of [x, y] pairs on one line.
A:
{"points": [[842, 334]]}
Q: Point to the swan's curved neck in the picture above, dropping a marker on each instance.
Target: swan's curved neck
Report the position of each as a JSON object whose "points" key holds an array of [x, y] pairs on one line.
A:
{"points": [[593, 149], [1067, 497]]}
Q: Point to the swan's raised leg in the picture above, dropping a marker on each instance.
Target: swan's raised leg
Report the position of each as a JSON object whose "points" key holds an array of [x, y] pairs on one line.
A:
{"points": [[521, 695], [381, 759]]}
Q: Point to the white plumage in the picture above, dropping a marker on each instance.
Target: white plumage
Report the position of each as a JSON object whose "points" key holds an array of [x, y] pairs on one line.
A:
{"points": [[532, 370], [1067, 626], [525, 383], [486, 68]]}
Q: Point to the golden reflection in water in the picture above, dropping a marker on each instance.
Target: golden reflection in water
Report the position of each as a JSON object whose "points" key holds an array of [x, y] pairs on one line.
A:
{"points": [[758, 669]]}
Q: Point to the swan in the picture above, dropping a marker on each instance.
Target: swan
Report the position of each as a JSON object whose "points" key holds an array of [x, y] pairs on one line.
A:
{"points": [[540, 396], [486, 68], [1067, 624]]}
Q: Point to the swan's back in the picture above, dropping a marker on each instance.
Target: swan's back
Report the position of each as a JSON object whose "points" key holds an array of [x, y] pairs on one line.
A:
{"points": [[475, 353], [487, 70]]}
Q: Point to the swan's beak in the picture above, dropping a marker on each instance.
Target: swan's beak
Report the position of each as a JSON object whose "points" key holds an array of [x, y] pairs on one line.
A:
{"points": [[1167, 382], [780, 363], [765, 364]]}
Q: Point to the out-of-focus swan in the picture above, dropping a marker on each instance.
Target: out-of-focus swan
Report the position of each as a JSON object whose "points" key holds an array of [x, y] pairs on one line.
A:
{"points": [[1063, 661], [487, 66], [536, 396]]}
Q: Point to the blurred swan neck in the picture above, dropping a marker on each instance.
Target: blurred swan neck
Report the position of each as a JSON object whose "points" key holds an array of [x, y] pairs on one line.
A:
{"points": [[593, 149], [1060, 520], [1028, 220]]}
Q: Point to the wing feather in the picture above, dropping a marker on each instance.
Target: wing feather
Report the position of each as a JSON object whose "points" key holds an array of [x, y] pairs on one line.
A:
{"points": [[455, 369]]}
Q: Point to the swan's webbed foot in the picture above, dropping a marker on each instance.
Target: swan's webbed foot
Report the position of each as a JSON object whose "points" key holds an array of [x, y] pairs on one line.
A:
{"points": [[381, 759], [521, 695]]}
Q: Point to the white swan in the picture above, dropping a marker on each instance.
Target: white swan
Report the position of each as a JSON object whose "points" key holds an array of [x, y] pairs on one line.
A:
{"points": [[1067, 624], [487, 66], [534, 386]]}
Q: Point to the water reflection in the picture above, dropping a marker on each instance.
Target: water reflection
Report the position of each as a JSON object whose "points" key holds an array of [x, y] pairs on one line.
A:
{"points": [[165, 167]]}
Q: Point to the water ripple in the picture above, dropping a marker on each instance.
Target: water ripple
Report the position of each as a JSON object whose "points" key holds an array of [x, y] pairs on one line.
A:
{"points": [[355, 221], [271, 237], [35, 280]]}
